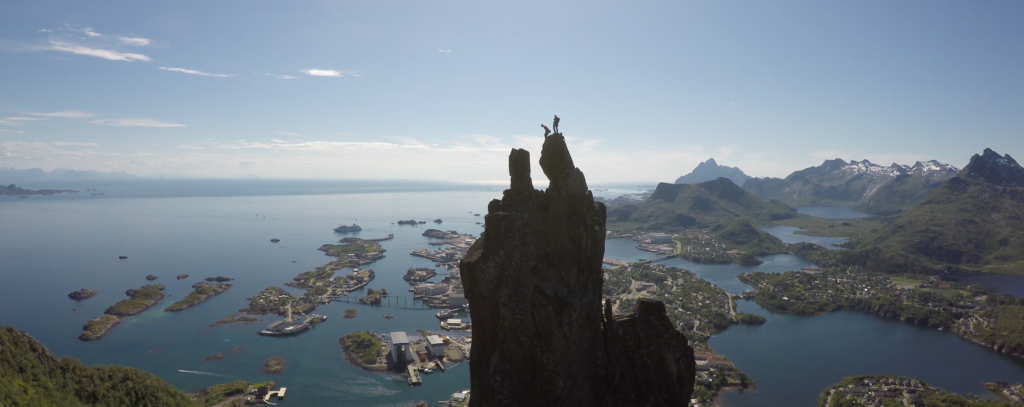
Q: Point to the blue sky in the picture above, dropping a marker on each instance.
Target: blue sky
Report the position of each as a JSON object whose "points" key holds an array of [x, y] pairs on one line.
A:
{"points": [[441, 90]]}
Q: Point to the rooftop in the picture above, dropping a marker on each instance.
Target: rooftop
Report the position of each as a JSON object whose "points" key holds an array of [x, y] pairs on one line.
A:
{"points": [[399, 338]]}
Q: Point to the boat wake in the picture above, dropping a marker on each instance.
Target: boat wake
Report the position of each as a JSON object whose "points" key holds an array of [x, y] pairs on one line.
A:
{"points": [[204, 373]]}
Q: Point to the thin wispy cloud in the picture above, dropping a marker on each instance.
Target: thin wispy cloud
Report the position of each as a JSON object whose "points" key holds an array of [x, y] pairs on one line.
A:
{"points": [[135, 123], [445, 51], [64, 114], [323, 72], [136, 41], [274, 75], [2, 131], [91, 33], [96, 52], [290, 134], [45, 30], [19, 121], [194, 72]]}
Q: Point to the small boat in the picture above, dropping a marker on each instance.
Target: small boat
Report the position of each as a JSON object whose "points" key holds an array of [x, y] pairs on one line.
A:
{"points": [[448, 313]]}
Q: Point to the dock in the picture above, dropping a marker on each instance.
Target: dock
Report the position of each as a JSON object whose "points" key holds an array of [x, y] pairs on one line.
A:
{"points": [[276, 393], [414, 376]]}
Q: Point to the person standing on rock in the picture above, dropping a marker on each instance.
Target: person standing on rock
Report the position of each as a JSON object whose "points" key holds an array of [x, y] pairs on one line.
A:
{"points": [[555, 124], [546, 130]]}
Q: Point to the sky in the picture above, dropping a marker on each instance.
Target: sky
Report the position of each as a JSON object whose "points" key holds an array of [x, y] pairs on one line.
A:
{"points": [[442, 90]]}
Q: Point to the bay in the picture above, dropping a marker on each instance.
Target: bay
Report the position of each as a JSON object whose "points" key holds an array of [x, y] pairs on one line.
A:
{"points": [[53, 245]]}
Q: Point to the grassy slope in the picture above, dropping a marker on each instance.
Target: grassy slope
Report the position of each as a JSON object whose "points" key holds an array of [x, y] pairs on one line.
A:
{"points": [[898, 196], [964, 224], [857, 228], [675, 207]]}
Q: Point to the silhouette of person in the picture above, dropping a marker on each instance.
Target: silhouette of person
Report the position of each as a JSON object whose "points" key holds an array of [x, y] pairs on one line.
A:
{"points": [[546, 130], [555, 124]]}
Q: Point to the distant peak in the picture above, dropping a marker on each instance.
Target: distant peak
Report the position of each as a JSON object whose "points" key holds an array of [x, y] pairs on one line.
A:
{"points": [[711, 161], [996, 169]]}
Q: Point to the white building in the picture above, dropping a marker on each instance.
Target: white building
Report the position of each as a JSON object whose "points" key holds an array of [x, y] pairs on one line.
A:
{"points": [[659, 238], [430, 289], [436, 346], [457, 300], [400, 347]]}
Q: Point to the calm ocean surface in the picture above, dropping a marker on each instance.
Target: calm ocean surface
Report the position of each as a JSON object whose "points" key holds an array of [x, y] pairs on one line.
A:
{"points": [[50, 246]]}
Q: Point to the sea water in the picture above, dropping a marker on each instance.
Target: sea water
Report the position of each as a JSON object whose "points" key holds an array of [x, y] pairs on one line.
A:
{"points": [[50, 246]]}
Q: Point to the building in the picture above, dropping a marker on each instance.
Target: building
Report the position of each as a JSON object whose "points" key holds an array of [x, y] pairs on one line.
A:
{"points": [[659, 238], [430, 289], [401, 352], [436, 346], [457, 300]]}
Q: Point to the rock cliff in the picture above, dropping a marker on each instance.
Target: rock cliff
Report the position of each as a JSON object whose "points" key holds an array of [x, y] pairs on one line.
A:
{"points": [[541, 335]]}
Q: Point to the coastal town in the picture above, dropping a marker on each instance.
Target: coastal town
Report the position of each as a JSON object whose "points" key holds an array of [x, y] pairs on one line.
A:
{"points": [[965, 309], [696, 307], [886, 390]]}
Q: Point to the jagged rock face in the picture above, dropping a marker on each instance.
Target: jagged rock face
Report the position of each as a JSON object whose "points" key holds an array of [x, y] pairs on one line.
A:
{"points": [[534, 281]]}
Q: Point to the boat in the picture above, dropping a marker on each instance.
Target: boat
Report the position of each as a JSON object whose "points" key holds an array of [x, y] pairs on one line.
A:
{"points": [[347, 228], [448, 313], [454, 324]]}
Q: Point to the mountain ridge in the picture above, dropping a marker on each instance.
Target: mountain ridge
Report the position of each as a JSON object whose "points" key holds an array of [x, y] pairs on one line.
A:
{"points": [[973, 220], [839, 183]]}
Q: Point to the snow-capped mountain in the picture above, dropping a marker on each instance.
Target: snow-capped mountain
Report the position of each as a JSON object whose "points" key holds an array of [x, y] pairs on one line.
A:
{"points": [[837, 182]]}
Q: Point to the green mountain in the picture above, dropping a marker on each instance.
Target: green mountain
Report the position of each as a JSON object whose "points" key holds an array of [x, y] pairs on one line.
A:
{"points": [[840, 183], [974, 220], [899, 195], [32, 376], [673, 207]]}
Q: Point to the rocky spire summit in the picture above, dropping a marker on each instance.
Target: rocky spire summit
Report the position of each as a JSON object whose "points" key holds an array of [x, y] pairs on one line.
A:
{"points": [[540, 333]]}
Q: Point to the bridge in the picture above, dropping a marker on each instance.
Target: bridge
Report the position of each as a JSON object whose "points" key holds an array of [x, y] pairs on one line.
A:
{"points": [[407, 301], [657, 259]]}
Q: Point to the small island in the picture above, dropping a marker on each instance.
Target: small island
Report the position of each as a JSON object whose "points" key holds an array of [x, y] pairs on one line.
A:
{"points": [[201, 292], [408, 222], [365, 350], [350, 313], [271, 300], [352, 252], [219, 279], [182, 276], [151, 277], [274, 365], [223, 354], [244, 320], [16, 190], [83, 294], [275, 240], [373, 297], [98, 327], [438, 221], [141, 299]]}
